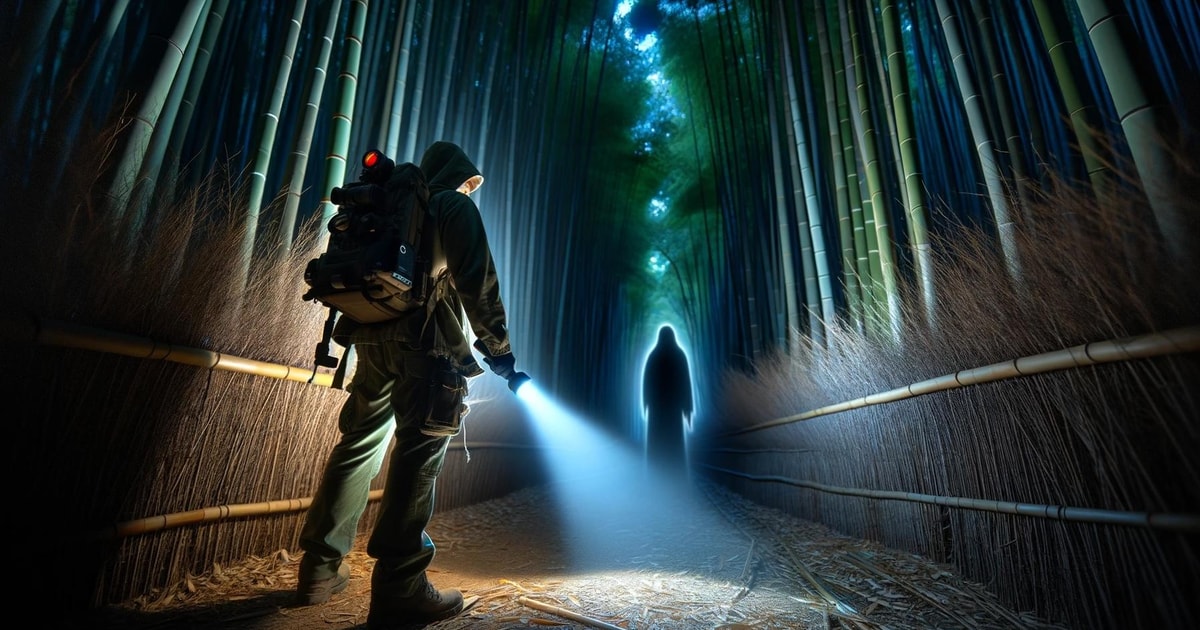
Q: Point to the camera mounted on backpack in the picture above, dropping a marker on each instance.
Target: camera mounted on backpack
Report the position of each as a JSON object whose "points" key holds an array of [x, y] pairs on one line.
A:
{"points": [[362, 204], [377, 262]]}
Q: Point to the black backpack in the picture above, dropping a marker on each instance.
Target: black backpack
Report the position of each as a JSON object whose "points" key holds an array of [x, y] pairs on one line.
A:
{"points": [[376, 265]]}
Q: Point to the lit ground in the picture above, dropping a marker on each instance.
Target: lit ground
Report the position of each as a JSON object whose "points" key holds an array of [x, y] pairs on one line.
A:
{"points": [[659, 559]]}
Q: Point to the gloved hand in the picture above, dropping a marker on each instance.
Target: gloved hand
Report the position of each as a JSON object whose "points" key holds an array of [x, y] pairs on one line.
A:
{"points": [[503, 365]]}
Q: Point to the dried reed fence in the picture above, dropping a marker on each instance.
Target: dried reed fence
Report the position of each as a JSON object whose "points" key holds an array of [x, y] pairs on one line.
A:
{"points": [[105, 436], [1114, 436]]}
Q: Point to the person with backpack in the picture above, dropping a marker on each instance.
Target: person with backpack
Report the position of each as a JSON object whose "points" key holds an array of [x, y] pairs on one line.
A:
{"points": [[412, 369]]}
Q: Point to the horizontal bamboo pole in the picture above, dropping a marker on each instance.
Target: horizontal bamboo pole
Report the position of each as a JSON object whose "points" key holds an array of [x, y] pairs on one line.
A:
{"points": [[68, 335], [160, 522], [64, 334], [206, 515], [1182, 523], [1177, 341]]}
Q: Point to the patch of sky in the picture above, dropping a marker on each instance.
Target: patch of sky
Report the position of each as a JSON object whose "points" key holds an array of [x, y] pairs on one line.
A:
{"points": [[660, 117], [638, 21], [658, 208], [657, 263], [623, 9]]}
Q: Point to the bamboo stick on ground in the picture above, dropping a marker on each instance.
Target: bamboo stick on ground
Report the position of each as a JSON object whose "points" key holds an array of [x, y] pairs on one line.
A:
{"points": [[567, 614]]}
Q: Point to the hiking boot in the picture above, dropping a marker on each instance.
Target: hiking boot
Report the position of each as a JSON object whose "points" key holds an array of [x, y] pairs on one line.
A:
{"points": [[310, 591], [425, 606]]}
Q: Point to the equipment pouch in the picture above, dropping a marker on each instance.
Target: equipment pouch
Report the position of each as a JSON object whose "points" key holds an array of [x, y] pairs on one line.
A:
{"points": [[447, 389]]}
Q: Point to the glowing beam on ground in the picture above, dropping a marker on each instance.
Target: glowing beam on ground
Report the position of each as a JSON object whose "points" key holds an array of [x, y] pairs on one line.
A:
{"points": [[599, 482], [575, 449]]}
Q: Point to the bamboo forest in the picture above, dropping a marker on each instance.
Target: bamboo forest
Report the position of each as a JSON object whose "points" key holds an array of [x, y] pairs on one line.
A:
{"points": [[933, 265]]}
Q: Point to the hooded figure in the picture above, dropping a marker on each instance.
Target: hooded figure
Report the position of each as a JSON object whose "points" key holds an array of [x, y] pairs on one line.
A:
{"points": [[412, 369], [667, 399]]}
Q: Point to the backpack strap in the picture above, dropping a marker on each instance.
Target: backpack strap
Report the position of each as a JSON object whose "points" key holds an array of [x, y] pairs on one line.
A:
{"points": [[339, 376], [449, 337], [437, 293], [322, 357]]}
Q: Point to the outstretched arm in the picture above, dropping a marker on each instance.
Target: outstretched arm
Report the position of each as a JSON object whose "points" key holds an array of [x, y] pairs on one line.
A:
{"points": [[474, 272]]}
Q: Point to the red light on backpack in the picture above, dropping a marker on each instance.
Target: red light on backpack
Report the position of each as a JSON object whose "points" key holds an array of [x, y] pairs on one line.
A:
{"points": [[370, 159]]}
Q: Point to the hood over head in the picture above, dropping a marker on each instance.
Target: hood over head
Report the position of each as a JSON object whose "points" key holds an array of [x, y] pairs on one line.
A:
{"points": [[666, 336], [447, 167]]}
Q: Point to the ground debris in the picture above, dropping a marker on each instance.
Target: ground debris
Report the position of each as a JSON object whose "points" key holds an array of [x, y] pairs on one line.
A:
{"points": [[673, 568]]}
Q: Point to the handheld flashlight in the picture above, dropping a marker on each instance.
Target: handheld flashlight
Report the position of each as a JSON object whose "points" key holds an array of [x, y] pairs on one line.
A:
{"points": [[517, 380]]}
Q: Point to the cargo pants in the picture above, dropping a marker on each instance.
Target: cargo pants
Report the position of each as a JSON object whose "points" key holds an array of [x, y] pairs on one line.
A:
{"points": [[389, 381]]}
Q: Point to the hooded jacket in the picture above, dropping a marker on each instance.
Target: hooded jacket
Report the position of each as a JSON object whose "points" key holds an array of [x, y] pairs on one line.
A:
{"points": [[465, 273]]}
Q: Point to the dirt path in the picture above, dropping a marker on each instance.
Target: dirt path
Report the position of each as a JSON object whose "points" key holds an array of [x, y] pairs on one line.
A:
{"points": [[674, 560]]}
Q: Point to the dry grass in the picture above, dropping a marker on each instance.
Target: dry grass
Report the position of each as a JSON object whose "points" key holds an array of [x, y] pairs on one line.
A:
{"points": [[109, 438], [1116, 437]]}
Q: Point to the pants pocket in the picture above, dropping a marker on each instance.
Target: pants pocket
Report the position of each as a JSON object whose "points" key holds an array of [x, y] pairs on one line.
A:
{"points": [[447, 389]]}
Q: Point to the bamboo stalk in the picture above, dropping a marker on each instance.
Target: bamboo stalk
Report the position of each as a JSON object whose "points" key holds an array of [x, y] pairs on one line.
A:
{"points": [[566, 614]]}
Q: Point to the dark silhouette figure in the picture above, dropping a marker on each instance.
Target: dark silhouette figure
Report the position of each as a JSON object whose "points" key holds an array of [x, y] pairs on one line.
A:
{"points": [[667, 400]]}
